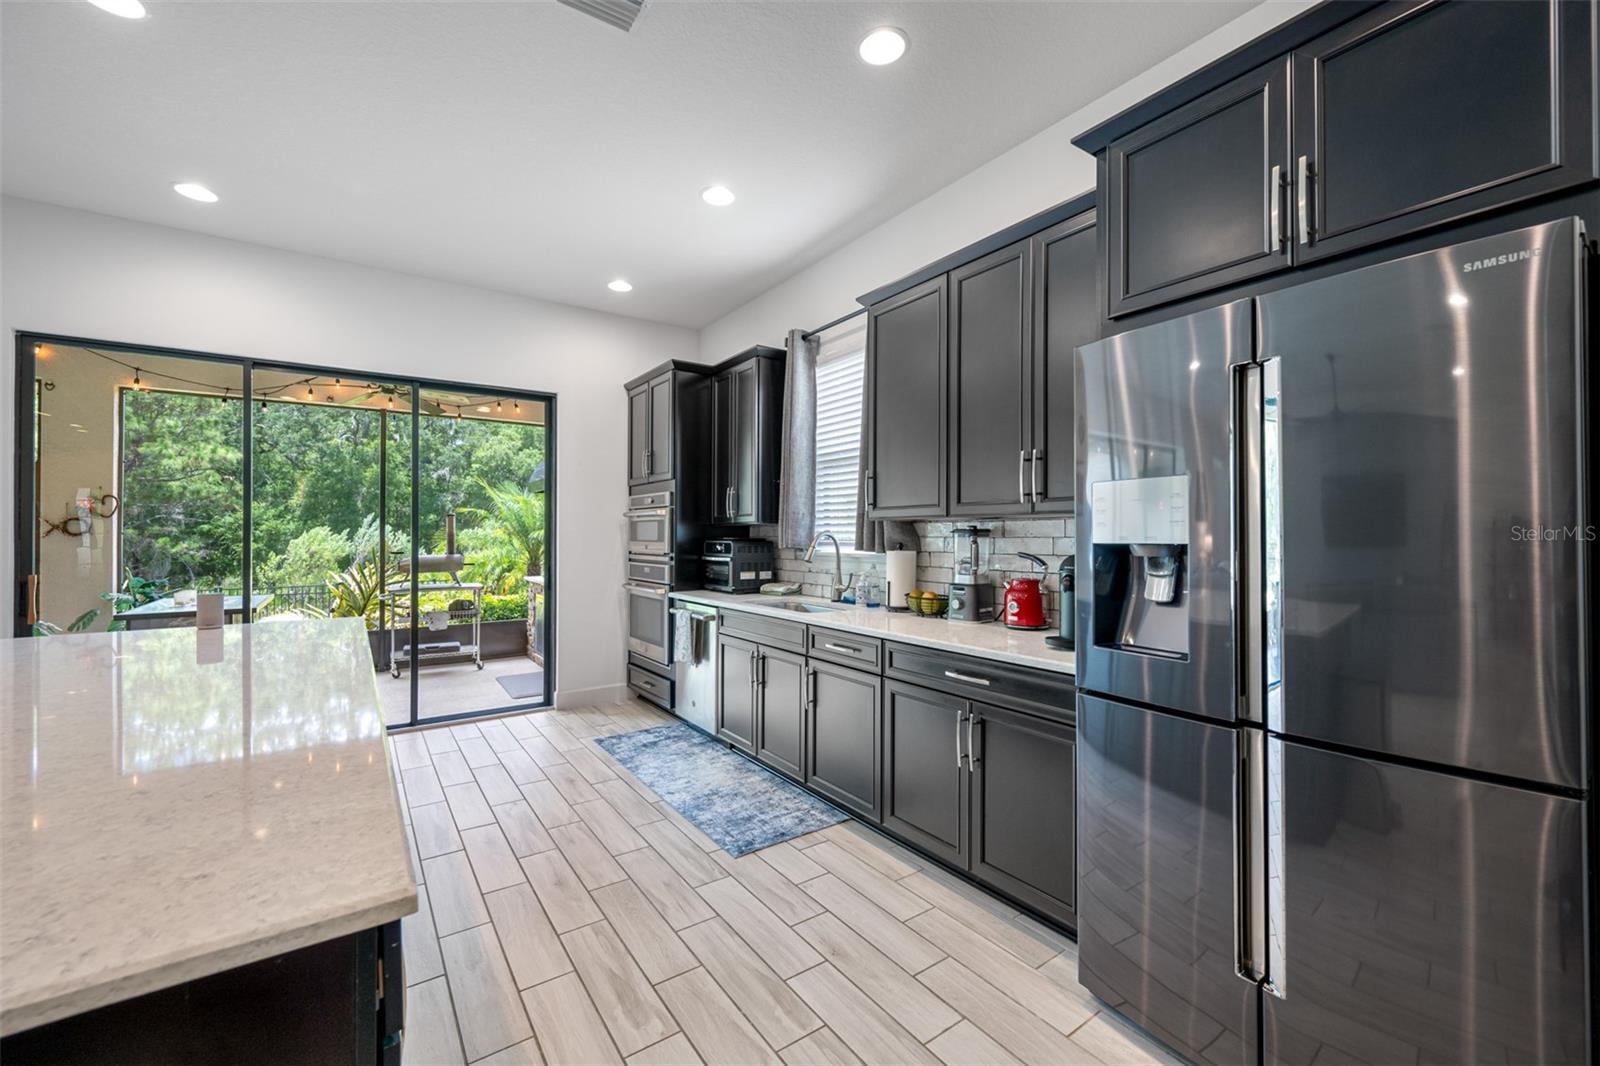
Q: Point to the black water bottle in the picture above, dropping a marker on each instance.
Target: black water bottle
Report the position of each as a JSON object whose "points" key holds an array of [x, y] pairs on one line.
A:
{"points": [[1065, 606]]}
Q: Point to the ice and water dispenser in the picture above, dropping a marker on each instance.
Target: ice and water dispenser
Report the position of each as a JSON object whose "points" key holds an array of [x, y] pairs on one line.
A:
{"points": [[1141, 541]]}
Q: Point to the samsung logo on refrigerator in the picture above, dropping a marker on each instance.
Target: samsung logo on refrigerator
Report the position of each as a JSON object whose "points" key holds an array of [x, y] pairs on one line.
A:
{"points": [[1498, 260]]}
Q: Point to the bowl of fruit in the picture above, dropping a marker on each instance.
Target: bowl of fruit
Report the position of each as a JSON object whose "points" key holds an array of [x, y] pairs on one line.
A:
{"points": [[927, 602]]}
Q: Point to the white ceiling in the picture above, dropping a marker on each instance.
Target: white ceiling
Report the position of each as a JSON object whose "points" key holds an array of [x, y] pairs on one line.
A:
{"points": [[524, 147]]}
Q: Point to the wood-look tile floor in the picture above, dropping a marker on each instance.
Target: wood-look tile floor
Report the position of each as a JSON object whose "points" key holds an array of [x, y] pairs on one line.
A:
{"points": [[568, 915]]}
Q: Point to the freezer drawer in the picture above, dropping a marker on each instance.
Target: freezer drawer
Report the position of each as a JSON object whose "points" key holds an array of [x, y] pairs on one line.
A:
{"points": [[1156, 864], [1421, 917], [1427, 600]]}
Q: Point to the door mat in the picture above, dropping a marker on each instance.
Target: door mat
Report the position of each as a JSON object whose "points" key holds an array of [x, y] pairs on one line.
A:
{"points": [[523, 686], [740, 805]]}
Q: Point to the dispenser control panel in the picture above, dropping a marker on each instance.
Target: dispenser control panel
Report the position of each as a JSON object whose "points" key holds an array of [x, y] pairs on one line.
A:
{"points": [[1147, 510]]}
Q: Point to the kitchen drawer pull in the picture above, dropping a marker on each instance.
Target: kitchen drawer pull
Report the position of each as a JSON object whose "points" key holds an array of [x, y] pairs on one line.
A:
{"points": [[970, 679], [642, 683], [847, 649], [645, 590]]}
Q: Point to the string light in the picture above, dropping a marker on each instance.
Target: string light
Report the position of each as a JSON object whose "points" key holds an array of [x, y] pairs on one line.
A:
{"points": [[136, 382], [515, 406], [311, 393], [498, 406]]}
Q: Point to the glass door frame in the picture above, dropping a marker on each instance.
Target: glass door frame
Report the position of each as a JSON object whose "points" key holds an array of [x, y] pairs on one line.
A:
{"points": [[27, 519]]}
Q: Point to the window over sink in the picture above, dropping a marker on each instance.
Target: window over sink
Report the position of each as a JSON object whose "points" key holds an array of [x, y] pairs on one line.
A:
{"points": [[841, 365]]}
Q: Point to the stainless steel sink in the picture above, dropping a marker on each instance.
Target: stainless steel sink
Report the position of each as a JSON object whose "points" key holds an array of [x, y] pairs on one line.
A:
{"points": [[804, 608]]}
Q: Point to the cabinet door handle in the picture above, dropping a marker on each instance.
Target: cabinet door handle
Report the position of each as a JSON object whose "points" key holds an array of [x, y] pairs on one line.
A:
{"points": [[811, 690], [1022, 487], [970, 679], [960, 716], [872, 488], [971, 757], [1033, 475], [1303, 198], [1274, 207], [644, 460]]}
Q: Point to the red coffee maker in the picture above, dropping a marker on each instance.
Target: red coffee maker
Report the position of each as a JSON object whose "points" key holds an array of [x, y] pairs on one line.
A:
{"points": [[1024, 603]]}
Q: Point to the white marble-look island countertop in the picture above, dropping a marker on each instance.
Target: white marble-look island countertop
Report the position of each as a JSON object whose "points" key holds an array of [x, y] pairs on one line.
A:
{"points": [[986, 640], [176, 803]]}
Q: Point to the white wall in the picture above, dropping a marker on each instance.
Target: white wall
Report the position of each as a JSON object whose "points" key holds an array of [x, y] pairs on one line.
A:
{"points": [[82, 274], [1038, 173]]}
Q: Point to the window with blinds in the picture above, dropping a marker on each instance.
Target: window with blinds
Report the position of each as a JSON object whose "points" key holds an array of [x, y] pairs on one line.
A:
{"points": [[841, 375]]}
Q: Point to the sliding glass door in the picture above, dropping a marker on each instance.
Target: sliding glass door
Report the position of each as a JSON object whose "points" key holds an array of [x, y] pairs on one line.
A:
{"points": [[419, 507]]}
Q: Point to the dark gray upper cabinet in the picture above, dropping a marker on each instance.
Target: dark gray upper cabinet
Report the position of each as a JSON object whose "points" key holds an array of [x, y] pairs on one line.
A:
{"points": [[989, 348], [1420, 113], [660, 462], [780, 711], [638, 435], [925, 778], [1066, 314], [1194, 200], [748, 405], [1023, 805], [905, 403], [737, 671], [843, 736]]}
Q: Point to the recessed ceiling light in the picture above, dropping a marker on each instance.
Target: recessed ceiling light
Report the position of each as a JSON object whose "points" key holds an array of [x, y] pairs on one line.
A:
{"points": [[883, 46], [128, 9], [619, 285], [717, 195], [195, 191]]}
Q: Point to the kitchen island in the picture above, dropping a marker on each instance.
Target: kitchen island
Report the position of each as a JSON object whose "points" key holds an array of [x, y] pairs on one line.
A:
{"points": [[204, 851]]}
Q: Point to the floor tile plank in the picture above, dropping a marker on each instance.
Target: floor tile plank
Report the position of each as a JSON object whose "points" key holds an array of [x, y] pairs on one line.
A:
{"points": [[419, 946], [560, 893], [422, 786], [569, 1028], [477, 752], [769, 886], [678, 903], [921, 1012], [856, 1020], [1063, 1008], [1009, 1023], [410, 750], [468, 806], [572, 785], [588, 856], [888, 894], [589, 765], [653, 944], [498, 736], [452, 768], [675, 1050], [523, 830], [628, 1005], [541, 751], [491, 857], [713, 1024], [523, 1054], [520, 765], [431, 1035], [1008, 935], [610, 827], [548, 803], [438, 740], [533, 950], [435, 830], [453, 893], [791, 862], [778, 945], [692, 864], [488, 1010], [627, 802], [877, 927], [884, 856], [821, 1048], [967, 1045], [776, 1011], [496, 784], [1109, 1039], [693, 832]]}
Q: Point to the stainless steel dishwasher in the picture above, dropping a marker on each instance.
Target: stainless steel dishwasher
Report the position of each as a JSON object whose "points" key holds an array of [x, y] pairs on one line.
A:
{"points": [[694, 642]]}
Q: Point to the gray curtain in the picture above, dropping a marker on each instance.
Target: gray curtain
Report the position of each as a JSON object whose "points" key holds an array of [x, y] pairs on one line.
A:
{"points": [[876, 536], [798, 467]]}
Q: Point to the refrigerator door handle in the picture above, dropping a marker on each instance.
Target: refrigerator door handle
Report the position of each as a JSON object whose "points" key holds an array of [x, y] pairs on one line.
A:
{"points": [[1249, 878], [1272, 879], [1268, 667], [1250, 560]]}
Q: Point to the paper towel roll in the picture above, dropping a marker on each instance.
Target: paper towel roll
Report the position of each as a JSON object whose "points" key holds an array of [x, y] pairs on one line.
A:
{"points": [[901, 578]]}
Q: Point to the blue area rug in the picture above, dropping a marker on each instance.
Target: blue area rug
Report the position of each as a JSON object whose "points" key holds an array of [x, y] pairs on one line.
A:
{"points": [[735, 802]]}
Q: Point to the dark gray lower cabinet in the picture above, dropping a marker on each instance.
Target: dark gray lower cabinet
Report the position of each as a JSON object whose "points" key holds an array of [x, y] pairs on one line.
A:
{"points": [[736, 692], [843, 736], [1023, 809], [780, 711], [925, 778]]}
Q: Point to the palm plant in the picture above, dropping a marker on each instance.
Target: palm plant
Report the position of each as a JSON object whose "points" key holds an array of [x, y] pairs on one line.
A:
{"points": [[518, 518]]}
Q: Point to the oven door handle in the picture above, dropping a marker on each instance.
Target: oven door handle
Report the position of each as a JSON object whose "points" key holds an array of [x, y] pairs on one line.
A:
{"points": [[654, 512], [644, 590]]}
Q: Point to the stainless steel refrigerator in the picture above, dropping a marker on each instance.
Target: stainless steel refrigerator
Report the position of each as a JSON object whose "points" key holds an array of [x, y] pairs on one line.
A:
{"points": [[1333, 614]]}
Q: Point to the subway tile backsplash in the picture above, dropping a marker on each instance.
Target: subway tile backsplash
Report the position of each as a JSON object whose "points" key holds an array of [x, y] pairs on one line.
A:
{"points": [[1048, 538]]}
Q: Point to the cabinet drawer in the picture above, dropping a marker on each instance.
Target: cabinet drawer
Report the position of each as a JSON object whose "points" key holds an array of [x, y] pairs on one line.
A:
{"points": [[847, 649], [773, 632], [1038, 692], [652, 686]]}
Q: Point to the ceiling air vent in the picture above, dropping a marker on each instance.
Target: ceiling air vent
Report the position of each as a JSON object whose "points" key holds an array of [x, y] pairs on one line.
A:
{"points": [[618, 13]]}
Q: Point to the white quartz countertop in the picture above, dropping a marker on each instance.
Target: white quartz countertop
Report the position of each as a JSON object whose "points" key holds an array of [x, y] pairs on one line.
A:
{"points": [[177, 802], [986, 640]]}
